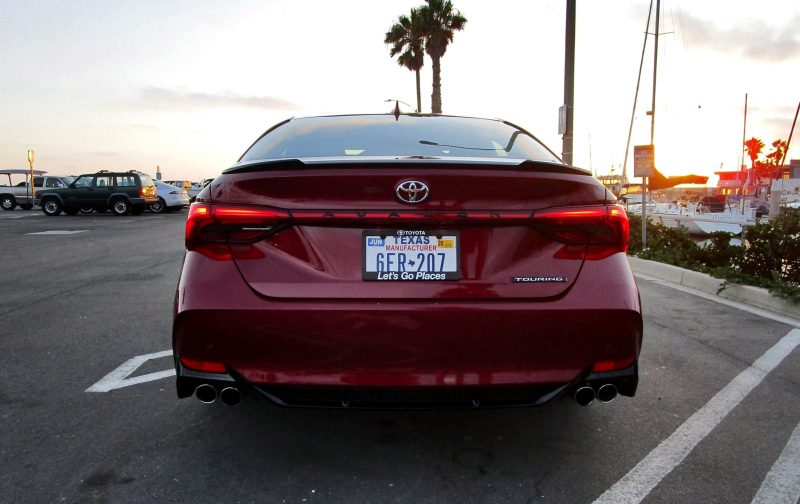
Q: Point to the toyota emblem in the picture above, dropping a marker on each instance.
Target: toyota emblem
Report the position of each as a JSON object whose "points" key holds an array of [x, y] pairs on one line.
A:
{"points": [[412, 191]]}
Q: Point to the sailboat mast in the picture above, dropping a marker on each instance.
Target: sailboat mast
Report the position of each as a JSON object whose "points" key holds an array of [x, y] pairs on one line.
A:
{"points": [[655, 74], [652, 126], [744, 136]]}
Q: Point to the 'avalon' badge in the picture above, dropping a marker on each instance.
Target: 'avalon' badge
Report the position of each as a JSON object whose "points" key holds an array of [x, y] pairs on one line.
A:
{"points": [[412, 191]]}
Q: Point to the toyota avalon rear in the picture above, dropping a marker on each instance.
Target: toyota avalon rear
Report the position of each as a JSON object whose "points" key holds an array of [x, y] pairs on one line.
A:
{"points": [[405, 261]]}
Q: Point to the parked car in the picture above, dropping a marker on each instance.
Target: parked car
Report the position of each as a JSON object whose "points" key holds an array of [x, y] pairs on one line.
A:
{"points": [[403, 261], [169, 198], [192, 188], [20, 194], [120, 192]]}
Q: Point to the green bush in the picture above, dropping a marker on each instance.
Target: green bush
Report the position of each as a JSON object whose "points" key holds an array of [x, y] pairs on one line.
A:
{"points": [[772, 249], [769, 256]]}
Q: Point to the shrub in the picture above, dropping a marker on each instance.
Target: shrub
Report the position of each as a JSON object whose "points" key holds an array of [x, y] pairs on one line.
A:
{"points": [[769, 256], [772, 249]]}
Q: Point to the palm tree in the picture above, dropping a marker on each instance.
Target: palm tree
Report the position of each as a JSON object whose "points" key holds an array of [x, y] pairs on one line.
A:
{"points": [[440, 22], [776, 156], [754, 146], [406, 39]]}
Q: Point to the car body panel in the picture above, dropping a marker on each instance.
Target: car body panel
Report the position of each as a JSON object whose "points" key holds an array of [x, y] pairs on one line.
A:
{"points": [[273, 293], [407, 343]]}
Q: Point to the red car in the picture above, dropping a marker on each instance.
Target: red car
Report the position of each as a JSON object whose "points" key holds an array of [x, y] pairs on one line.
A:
{"points": [[405, 261]]}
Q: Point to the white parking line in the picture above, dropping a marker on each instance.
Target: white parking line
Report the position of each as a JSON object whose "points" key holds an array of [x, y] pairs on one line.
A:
{"points": [[60, 232], [782, 484], [634, 486], [727, 302], [119, 377]]}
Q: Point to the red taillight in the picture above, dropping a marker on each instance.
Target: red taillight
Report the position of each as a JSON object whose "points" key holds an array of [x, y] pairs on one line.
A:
{"points": [[392, 217], [207, 224], [612, 365], [593, 232], [204, 366]]}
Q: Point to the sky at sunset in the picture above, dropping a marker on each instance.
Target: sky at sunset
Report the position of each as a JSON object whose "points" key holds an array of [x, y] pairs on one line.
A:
{"points": [[188, 85]]}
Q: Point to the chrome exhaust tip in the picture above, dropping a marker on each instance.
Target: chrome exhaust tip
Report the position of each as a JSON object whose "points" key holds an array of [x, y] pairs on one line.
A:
{"points": [[607, 393], [231, 396], [584, 396], [206, 393]]}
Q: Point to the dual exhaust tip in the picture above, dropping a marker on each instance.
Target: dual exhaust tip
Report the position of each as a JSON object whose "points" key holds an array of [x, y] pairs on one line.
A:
{"points": [[207, 394], [585, 395], [232, 396]]}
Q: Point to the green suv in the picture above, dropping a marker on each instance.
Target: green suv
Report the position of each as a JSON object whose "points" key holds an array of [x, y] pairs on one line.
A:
{"points": [[120, 192]]}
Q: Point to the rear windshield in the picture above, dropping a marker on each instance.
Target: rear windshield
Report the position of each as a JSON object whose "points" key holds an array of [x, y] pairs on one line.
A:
{"points": [[385, 135], [146, 180]]}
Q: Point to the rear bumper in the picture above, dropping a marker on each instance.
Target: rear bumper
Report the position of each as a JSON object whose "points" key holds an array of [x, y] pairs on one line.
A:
{"points": [[625, 381], [406, 353]]}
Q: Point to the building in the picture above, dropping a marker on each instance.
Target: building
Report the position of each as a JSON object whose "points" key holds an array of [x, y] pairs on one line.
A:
{"points": [[612, 182]]}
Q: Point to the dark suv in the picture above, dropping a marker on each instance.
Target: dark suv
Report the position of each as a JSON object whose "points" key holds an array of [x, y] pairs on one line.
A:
{"points": [[120, 192]]}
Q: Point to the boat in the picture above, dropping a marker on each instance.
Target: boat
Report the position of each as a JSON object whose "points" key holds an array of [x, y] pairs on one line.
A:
{"points": [[708, 215]]}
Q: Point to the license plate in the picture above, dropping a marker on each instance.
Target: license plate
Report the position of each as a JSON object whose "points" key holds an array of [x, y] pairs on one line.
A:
{"points": [[411, 255]]}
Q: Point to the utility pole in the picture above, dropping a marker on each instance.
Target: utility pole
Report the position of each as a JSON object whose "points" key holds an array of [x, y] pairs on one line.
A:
{"points": [[652, 125], [30, 179], [569, 84]]}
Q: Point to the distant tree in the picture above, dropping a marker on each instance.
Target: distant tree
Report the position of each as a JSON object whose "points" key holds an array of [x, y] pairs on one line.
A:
{"points": [[774, 161], [754, 147], [407, 39], [775, 158], [440, 22]]}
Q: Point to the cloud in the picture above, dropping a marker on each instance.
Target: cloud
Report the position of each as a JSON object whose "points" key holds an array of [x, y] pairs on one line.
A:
{"points": [[756, 40], [168, 98], [143, 127], [779, 124]]}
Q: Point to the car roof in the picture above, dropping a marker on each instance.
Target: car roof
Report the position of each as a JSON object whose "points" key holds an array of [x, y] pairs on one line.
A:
{"points": [[21, 172]]}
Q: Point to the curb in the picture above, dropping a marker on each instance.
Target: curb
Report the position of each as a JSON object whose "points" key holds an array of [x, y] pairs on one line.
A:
{"points": [[755, 296]]}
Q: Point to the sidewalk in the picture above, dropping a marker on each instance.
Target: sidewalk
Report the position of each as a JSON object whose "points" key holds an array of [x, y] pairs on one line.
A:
{"points": [[755, 296]]}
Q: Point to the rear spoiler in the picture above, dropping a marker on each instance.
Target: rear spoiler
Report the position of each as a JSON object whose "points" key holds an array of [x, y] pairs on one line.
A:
{"points": [[405, 161]]}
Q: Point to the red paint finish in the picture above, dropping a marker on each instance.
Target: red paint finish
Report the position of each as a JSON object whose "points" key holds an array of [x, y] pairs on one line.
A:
{"points": [[272, 287]]}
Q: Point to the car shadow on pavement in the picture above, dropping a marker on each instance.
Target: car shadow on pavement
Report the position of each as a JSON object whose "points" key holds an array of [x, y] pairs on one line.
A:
{"points": [[385, 455]]}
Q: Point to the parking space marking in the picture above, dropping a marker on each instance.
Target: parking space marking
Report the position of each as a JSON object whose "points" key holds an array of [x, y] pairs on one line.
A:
{"points": [[727, 302], [119, 377], [640, 481], [782, 484], [20, 216], [60, 232]]}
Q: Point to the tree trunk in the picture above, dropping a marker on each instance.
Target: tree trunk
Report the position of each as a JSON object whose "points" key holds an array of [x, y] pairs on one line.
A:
{"points": [[436, 96], [419, 95]]}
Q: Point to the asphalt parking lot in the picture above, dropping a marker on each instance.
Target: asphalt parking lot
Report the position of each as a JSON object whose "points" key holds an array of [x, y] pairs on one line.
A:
{"points": [[88, 411]]}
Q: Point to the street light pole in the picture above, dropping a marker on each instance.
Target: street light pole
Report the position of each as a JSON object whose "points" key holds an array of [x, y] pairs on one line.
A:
{"points": [[569, 82]]}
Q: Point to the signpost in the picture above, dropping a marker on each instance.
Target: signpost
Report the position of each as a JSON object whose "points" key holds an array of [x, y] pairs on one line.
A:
{"points": [[30, 180], [644, 166]]}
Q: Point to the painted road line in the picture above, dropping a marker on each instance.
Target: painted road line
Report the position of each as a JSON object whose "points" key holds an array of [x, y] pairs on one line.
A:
{"points": [[782, 484], [119, 377], [22, 216], [634, 486], [727, 302], [60, 232]]}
